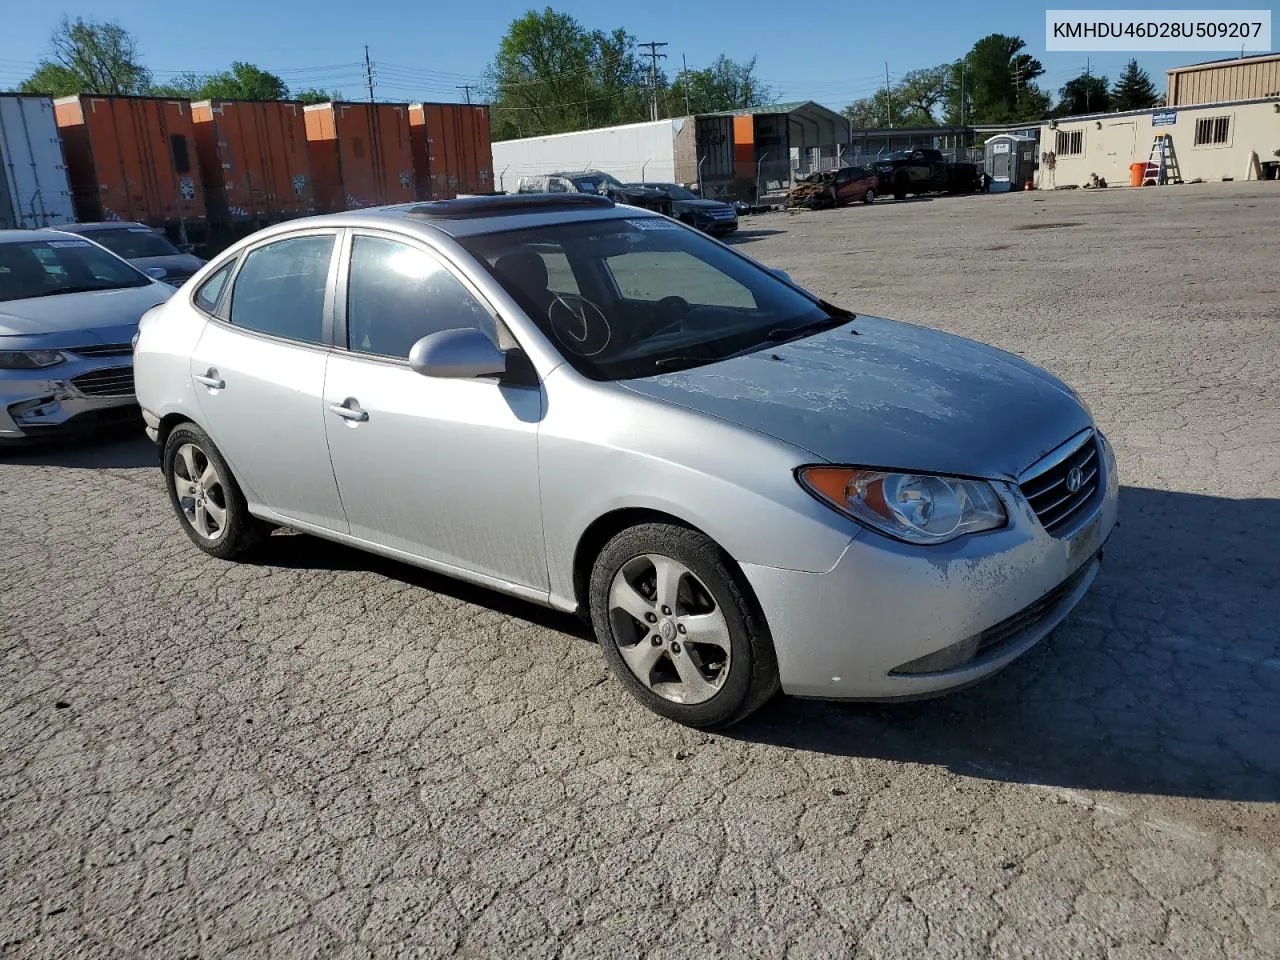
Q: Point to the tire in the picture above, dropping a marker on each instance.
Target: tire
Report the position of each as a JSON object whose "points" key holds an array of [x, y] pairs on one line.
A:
{"points": [[711, 682], [869, 197], [189, 450]]}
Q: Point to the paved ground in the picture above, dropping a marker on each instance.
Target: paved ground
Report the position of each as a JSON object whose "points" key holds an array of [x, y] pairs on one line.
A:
{"points": [[322, 753]]}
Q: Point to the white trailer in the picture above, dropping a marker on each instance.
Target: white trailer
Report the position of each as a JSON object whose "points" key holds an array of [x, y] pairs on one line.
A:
{"points": [[33, 178], [634, 153]]}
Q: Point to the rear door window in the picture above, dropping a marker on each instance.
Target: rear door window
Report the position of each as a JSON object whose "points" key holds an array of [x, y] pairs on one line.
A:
{"points": [[206, 298], [280, 288]]}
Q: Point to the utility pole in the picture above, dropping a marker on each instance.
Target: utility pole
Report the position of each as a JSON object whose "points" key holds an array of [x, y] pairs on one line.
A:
{"points": [[466, 88], [684, 81], [654, 57], [368, 72], [1088, 66], [888, 97], [962, 93], [1017, 83]]}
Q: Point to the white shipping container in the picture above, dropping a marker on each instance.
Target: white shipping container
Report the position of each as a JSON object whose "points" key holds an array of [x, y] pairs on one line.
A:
{"points": [[33, 178], [633, 153]]}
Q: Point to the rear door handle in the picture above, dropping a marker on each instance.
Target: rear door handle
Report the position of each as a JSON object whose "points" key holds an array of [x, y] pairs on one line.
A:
{"points": [[349, 409], [211, 379]]}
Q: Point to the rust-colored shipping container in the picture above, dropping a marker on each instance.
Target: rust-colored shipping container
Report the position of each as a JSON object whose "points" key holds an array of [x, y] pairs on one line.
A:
{"points": [[451, 149], [360, 154], [253, 160], [131, 158]]}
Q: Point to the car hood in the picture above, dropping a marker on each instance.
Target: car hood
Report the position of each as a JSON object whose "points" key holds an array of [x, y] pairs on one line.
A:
{"points": [[109, 315], [700, 205], [895, 396], [175, 264]]}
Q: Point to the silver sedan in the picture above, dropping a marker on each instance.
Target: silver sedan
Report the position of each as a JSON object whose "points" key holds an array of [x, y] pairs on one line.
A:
{"points": [[744, 488], [68, 311]]}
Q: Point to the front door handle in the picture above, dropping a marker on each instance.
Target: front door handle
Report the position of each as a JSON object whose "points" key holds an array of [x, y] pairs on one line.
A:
{"points": [[211, 379], [349, 409]]}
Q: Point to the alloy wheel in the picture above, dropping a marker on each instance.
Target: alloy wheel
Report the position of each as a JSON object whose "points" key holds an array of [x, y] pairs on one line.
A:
{"points": [[669, 629], [201, 492]]}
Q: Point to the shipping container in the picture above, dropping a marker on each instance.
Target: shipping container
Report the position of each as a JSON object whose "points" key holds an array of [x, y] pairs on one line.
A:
{"points": [[451, 149], [34, 191], [253, 160], [631, 152], [360, 154], [132, 158]]}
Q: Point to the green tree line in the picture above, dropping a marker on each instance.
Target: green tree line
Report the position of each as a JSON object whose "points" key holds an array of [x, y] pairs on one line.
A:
{"points": [[552, 75]]}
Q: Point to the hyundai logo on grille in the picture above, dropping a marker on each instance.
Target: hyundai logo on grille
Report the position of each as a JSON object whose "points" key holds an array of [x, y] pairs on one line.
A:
{"points": [[1075, 480]]}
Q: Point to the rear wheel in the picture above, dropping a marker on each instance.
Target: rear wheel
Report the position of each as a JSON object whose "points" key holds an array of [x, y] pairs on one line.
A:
{"points": [[677, 627], [869, 197], [205, 495]]}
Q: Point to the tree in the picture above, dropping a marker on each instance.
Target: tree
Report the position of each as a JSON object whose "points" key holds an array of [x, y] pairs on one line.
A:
{"points": [[999, 82], [1134, 90], [89, 56], [243, 81], [725, 85], [1083, 94], [552, 75], [875, 112], [920, 93], [312, 95]]}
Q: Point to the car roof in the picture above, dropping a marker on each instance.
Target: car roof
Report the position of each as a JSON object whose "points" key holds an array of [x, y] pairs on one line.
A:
{"points": [[103, 225], [18, 236], [472, 216]]}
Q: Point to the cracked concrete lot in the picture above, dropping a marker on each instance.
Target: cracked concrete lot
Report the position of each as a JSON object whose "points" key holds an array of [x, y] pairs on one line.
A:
{"points": [[319, 753]]}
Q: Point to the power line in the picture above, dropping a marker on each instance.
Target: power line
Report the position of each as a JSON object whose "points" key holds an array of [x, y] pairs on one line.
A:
{"points": [[466, 88], [654, 57]]}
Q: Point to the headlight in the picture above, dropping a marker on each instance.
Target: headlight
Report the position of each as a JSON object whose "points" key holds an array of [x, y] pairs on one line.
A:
{"points": [[914, 507], [28, 359]]}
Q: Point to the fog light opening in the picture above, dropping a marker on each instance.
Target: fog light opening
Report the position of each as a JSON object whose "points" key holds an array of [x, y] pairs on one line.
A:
{"points": [[948, 658]]}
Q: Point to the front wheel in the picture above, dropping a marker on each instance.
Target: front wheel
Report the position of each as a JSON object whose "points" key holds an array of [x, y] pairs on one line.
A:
{"points": [[679, 629], [869, 197], [205, 495]]}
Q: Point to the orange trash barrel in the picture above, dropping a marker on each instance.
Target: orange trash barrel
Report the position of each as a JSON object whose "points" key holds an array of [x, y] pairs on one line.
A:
{"points": [[1137, 173]]}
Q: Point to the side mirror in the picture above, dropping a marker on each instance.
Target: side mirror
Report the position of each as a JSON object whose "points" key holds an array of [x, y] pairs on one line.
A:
{"points": [[457, 355], [782, 275], [156, 273]]}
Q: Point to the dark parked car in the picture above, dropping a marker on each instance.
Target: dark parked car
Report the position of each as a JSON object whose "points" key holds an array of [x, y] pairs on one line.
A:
{"points": [[710, 216], [600, 184], [147, 249], [925, 171], [834, 188]]}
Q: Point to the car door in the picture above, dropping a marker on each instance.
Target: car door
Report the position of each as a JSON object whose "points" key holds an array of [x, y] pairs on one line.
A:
{"points": [[442, 469], [258, 372]]}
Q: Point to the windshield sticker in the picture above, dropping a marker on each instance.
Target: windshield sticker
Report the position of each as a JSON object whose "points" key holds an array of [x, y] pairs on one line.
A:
{"points": [[654, 223], [69, 243]]}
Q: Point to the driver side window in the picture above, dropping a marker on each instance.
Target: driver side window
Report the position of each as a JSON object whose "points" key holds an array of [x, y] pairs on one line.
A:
{"points": [[397, 294]]}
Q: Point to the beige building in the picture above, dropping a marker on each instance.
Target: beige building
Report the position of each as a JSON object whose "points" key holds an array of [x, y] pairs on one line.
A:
{"points": [[1236, 140], [1218, 81]]}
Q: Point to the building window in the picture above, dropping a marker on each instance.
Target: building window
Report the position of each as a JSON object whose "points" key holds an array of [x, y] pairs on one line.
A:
{"points": [[1070, 143], [1213, 131]]}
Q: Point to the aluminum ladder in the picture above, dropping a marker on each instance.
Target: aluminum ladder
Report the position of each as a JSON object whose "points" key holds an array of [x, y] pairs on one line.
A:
{"points": [[1162, 163]]}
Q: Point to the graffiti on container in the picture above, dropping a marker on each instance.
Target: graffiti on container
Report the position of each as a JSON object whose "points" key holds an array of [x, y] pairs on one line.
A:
{"points": [[484, 176], [299, 184], [354, 202], [108, 214], [404, 180], [186, 188], [239, 212]]}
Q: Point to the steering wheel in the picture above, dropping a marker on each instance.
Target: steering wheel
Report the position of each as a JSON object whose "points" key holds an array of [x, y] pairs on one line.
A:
{"points": [[579, 325], [670, 305]]}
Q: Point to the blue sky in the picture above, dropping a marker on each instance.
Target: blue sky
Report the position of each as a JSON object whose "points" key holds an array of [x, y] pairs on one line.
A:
{"points": [[811, 50]]}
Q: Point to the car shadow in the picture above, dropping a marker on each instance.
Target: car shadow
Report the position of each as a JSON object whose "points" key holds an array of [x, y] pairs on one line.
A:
{"points": [[1165, 680], [117, 447], [301, 551], [748, 236]]}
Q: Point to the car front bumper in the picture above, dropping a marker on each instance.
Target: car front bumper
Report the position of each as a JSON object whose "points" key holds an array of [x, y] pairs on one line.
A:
{"points": [[64, 398], [972, 605]]}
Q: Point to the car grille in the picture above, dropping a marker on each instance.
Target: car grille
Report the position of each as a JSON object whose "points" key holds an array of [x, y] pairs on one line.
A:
{"points": [[726, 213], [1047, 484], [1028, 617], [114, 382], [102, 350]]}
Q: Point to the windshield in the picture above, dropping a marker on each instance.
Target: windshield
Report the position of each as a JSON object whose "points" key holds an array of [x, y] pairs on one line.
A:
{"points": [[634, 297], [674, 191], [133, 242], [42, 268]]}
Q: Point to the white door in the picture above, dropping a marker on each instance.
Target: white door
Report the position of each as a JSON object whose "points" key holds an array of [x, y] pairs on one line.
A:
{"points": [[258, 377], [1118, 148], [446, 470]]}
